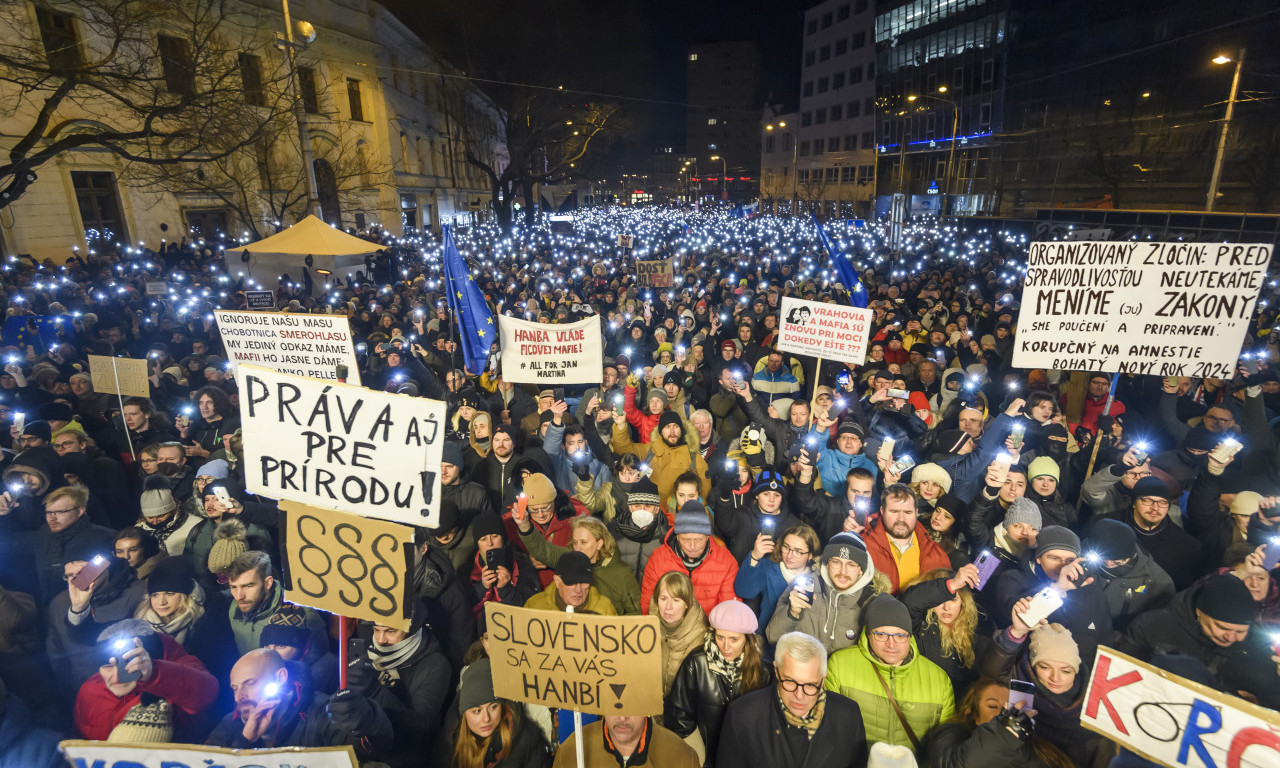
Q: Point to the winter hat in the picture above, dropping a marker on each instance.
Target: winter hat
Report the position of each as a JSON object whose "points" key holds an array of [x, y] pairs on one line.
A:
{"points": [[40, 429], [886, 755], [1041, 466], [1201, 439], [53, 411], [657, 393], [487, 524], [230, 542], [669, 417], [476, 686], [218, 469], [287, 626], [692, 518], [1113, 540], [1153, 486], [953, 504], [952, 440], [448, 519], [769, 480], [150, 721], [211, 490], [157, 500], [1054, 643], [886, 611], [934, 473], [733, 616], [847, 545], [574, 567], [851, 427], [643, 491], [673, 377], [451, 453], [1246, 503], [1227, 599], [172, 574], [1056, 538], [1023, 510], [659, 371], [539, 490]]}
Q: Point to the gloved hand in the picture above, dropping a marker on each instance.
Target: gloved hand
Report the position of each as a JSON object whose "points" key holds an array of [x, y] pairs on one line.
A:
{"points": [[361, 676], [348, 711], [1105, 423], [580, 463], [1016, 722]]}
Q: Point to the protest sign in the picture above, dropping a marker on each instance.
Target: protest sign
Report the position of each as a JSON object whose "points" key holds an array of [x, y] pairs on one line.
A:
{"points": [[601, 665], [1169, 719], [655, 274], [540, 353], [101, 754], [826, 331], [625, 241], [303, 345], [157, 288], [348, 565], [1161, 309], [260, 299], [123, 376], [341, 447]]}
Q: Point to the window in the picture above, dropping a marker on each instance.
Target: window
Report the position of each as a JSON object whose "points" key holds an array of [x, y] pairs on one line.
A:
{"points": [[819, 147], [868, 139], [819, 115], [693, 57], [988, 71], [837, 80], [842, 12], [811, 27], [855, 108], [866, 173], [833, 144], [833, 174], [855, 74], [984, 116], [871, 70], [804, 149], [802, 175], [808, 58], [859, 40], [806, 119], [850, 142], [826, 20], [711, 121], [824, 84], [808, 89], [837, 112], [842, 46], [175, 61], [307, 86], [860, 6], [58, 33], [847, 174], [262, 157], [353, 99], [99, 205], [931, 82], [251, 80], [769, 143], [824, 53]]}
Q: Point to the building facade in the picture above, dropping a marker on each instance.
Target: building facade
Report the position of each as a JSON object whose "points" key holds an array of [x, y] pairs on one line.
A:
{"points": [[723, 95], [388, 127]]}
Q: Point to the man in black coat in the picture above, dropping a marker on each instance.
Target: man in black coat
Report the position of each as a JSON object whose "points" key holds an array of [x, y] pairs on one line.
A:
{"points": [[797, 723], [1173, 549]]}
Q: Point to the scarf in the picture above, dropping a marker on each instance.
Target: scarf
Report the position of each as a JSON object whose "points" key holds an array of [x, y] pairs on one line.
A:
{"points": [[165, 530], [719, 665], [388, 658], [810, 722], [679, 639]]}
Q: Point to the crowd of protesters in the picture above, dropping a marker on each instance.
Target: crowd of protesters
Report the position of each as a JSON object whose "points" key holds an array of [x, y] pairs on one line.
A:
{"points": [[805, 531]]}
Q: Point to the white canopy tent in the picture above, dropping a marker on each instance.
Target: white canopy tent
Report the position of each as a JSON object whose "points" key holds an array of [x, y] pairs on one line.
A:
{"points": [[284, 252]]}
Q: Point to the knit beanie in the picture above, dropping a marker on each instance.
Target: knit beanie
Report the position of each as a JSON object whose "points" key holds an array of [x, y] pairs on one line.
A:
{"points": [[657, 393], [1041, 466], [769, 480], [1023, 510], [1113, 540], [643, 491], [886, 755], [1153, 486], [40, 429], [1055, 643], [886, 611], [487, 524], [669, 417], [1057, 538], [692, 518], [287, 626], [934, 473], [451, 453], [150, 721], [1201, 439], [847, 545], [476, 686], [539, 490], [1226, 599], [1246, 503], [218, 469], [230, 540], [157, 500], [172, 574]]}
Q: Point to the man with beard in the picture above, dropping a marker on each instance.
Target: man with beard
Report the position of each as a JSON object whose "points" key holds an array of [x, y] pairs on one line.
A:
{"points": [[900, 546], [276, 707], [495, 471], [627, 740], [1172, 548], [470, 497], [1110, 489], [669, 456], [256, 597], [724, 405]]}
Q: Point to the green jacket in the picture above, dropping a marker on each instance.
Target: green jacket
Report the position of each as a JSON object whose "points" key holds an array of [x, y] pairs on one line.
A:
{"points": [[614, 578], [548, 600], [921, 688], [248, 629]]}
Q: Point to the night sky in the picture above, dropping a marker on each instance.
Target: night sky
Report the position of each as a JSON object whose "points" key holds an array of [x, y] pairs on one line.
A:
{"points": [[634, 49]]}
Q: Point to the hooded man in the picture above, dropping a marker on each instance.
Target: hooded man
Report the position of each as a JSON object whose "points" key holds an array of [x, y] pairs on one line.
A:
{"points": [[829, 606]]}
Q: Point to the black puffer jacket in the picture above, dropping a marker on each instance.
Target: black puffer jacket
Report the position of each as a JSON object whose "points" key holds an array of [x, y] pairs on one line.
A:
{"points": [[414, 700], [1135, 588], [471, 498], [920, 598], [990, 745], [698, 698], [448, 604]]}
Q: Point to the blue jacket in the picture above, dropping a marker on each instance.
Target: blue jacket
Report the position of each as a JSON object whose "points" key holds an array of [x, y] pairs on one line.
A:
{"points": [[833, 466], [763, 580], [969, 471], [565, 480], [22, 744]]}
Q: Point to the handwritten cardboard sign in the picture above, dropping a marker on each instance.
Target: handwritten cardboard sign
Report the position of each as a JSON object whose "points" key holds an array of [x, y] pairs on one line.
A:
{"points": [[542, 353], [100, 754], [602, 665], [625, 241], [303, 345], [655, 274], [827, 331], [124, 376], [341, 447], [1161, 309], [348, 565], [260, 299], [1174, 721], [157, 288]]}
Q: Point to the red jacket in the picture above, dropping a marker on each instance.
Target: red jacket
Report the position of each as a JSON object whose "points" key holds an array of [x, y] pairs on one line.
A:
{"points": [[179, 678], [559, 532], [1093, 408], [712, 578], [640, 418], [878, 544]]}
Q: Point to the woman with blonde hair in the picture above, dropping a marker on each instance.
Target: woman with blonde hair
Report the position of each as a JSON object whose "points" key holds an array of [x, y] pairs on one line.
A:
{"points": [[950, 631], [682, 622], [613, 577], [493, 732], [175, 605]]}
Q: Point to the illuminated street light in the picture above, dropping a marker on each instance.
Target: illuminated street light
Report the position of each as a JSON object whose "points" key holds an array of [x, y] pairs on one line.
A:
{"points": [[1226, 124]]}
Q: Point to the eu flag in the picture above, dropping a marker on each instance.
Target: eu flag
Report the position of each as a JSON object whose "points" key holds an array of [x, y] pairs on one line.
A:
{"points": [[475, 322], [848, 275]]}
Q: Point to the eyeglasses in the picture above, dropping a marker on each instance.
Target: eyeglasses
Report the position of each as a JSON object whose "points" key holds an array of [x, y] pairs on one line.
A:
{"points": [[54, 512], [542, 508], [1219, 419], [1157, 503], [791, 686], [793, 550], [891, 637]]}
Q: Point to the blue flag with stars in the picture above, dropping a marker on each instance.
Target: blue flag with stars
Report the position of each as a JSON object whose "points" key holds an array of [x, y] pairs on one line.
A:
{"points": [[475, 322], [844, 268]]}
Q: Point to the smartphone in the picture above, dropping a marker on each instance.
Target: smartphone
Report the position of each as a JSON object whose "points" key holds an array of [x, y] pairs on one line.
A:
{"points": [[861, 508], [900, 394], [886, 446], [1250, 364], [224, 498], [495, 558], [767, 523], [357, 650], [1020, 691], [1171, 381], [987, 564], [121, 647], [1271, 555], [1091, 565], [85, 577], [1016, 436], [1042, 606], [804, 585], [19, 420], [1226, 450], [902, 465], [843, 379], [559, 394], [1140, 453]]}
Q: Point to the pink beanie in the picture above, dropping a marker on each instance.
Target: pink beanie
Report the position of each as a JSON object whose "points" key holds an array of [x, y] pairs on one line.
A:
{"points": [[733, 616]]}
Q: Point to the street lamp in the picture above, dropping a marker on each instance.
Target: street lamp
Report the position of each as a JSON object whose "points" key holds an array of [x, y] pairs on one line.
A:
{"points": [[794, 145], [951, 155], [299, 112], [1226, 124], [724, 183]]}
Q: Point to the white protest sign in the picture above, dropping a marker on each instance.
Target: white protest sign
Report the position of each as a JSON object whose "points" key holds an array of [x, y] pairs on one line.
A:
{"points": [[100, 754], [1174, 721], [303, 345], [342, 447], [1161, 309], [827, 331], [625, 241], [541, 353]]}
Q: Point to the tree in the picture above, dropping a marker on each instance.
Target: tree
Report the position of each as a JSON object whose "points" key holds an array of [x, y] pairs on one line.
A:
{"points": [[154, 82]]}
